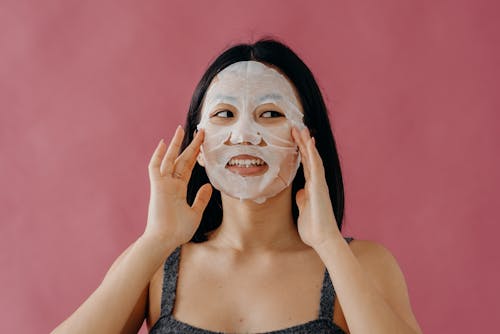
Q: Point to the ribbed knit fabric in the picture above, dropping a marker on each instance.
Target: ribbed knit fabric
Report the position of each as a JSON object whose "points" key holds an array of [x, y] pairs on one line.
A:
{"points": [[168, 324]]}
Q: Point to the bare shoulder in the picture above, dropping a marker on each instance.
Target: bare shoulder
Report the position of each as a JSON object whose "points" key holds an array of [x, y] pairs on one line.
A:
{"points": [[369, 249], [383, 268], [373, 255]]}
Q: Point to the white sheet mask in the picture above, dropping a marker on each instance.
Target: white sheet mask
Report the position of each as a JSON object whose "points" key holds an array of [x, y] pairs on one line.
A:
{"points": [[248, 89]]}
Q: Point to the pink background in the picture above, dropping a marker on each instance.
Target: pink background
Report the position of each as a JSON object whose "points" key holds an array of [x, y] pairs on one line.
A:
{"points": [[87, 89]]}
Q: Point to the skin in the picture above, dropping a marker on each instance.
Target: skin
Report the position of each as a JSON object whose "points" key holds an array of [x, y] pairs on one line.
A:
{"points": [[118, 305], [257, 247], [246, 225], [240, 117], [279, 247]]}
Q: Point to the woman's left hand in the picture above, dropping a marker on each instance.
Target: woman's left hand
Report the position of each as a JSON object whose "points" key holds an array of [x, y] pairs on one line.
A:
{"points": [[316, 222]]}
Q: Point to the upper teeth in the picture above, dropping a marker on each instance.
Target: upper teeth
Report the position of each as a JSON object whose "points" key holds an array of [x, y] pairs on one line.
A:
{"points": [[245, 162]]}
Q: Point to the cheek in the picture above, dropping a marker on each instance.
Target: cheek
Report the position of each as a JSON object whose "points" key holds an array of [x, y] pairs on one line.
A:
{"points": [[280, 136], [216, 133], [288, 166]]}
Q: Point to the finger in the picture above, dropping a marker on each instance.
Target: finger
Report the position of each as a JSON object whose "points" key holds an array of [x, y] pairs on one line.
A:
{"points": [[300, 198], [202, 198], [155, 162], [316, 163], [303, 152], [172, 152], [300, 145], [185, 162]]}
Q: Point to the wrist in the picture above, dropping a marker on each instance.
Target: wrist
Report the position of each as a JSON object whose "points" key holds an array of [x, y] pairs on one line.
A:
{"points": [[329, 244], [160, 243]]}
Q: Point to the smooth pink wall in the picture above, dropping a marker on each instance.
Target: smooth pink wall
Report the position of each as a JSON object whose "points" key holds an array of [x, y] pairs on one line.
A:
{"points": [[87, 89]]}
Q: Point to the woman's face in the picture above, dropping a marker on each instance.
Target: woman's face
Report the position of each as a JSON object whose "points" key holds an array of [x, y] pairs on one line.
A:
{"points": [[248, 111]]}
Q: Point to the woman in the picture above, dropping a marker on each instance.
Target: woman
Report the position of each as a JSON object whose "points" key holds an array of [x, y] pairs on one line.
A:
{"points": [[243, 230]]}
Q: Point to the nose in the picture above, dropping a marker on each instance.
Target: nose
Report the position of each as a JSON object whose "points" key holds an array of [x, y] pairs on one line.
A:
{"points": [[243, 136]]}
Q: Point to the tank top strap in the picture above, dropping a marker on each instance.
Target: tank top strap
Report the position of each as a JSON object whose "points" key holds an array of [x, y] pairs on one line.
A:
{"points": [[170, 273], [328, 294]]}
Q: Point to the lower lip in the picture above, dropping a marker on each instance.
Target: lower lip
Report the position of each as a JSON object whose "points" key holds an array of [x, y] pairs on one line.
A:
{"points": [[248, 171]]}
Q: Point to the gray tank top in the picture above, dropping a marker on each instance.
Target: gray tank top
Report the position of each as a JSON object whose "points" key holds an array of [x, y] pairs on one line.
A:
{"points": [[323, 324]]}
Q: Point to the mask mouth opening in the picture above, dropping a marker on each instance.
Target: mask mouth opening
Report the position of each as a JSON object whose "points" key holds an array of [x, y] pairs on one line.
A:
{"points": [[247, 165]]}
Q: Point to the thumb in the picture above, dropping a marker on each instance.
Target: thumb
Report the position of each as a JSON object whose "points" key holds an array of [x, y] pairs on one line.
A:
{"points": [[202, 197], [300, 198]]}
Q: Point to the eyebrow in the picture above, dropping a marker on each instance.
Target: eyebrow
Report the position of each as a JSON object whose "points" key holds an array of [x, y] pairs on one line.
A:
{"points": [[231, 99], [273, 96], [223, 98]]}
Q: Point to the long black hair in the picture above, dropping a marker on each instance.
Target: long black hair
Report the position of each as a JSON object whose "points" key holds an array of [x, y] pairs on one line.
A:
{"points": [[276, 54]]}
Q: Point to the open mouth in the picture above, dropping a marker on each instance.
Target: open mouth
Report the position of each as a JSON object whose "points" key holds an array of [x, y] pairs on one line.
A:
{"points": [[247, 165]]}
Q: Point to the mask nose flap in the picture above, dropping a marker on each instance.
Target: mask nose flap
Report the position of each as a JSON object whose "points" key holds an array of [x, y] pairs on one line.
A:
{"points": [[239, 136]]}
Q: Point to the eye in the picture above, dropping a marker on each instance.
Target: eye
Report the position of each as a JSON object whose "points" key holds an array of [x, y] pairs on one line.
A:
{"points": [[223, 114], [271, 114]]}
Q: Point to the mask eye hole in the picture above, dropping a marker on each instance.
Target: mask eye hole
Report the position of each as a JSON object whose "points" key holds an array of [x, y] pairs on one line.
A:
{"points": [[271, 117], [271, 114], [223, 114]]}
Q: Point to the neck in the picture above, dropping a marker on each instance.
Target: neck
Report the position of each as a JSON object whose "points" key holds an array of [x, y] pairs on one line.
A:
{"points": [[248, 226]]}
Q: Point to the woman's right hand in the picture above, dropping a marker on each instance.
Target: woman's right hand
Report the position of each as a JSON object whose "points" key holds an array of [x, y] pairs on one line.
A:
{"points": [[170, 217]]}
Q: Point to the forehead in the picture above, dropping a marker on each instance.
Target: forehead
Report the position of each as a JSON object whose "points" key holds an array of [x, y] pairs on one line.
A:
{"points": [[250, 78]]}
